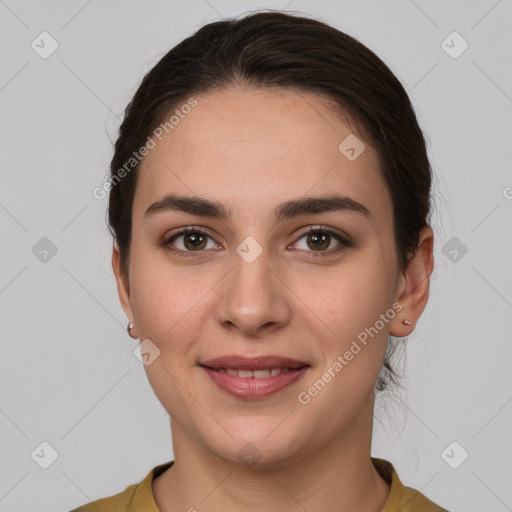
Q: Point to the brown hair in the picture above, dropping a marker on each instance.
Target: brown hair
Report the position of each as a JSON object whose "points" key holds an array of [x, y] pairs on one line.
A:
{"points": [[276, 49]]}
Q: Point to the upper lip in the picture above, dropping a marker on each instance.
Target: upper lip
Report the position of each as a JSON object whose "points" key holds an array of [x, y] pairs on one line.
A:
{"points": [[252, 363]]}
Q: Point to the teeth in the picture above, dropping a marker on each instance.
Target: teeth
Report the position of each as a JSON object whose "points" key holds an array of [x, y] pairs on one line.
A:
{"points": [[259, 374]]}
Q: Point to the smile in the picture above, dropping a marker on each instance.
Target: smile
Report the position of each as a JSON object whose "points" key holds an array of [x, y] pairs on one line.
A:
{"points": [[258, 374], [254, 384]]}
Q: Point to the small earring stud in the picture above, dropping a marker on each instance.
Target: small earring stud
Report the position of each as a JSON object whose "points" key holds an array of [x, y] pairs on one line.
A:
{"points": [[129, 327], [406, 322]]}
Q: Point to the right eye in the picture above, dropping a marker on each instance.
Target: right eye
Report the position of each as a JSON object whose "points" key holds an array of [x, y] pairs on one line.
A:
{"points": [[193, 240]]}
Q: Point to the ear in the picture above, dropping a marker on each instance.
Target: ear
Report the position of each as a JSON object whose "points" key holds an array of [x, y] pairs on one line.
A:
{"points": [[123, 285], [414, 284]]}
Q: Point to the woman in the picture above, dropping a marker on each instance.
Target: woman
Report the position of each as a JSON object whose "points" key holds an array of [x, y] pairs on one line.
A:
{"points": [[270, 203]]}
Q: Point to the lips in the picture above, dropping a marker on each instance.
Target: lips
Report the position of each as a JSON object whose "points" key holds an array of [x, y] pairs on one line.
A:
{"points": [[256, 377], [269, 362]]}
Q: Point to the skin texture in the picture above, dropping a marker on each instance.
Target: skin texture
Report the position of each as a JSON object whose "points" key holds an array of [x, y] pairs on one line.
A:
{"points": [[251, 150]]}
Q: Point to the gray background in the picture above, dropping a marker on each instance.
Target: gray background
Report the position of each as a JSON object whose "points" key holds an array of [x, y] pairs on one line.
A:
{"points": [[68, 375]]}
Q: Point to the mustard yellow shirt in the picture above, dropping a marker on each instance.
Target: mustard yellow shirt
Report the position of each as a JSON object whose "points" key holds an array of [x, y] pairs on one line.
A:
{"points": [[139, 497]]}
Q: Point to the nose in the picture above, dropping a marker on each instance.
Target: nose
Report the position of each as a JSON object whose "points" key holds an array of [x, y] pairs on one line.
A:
{"points": [[254, 299]]}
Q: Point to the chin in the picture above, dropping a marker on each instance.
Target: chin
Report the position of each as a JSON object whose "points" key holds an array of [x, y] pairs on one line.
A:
{"points": [[253, 447]]}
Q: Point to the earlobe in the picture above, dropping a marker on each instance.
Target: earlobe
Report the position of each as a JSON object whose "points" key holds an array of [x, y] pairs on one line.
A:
{"points": [[413, 294]]}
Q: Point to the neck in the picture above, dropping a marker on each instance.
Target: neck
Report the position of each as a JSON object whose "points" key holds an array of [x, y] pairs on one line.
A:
{"points": [[334, 476]]}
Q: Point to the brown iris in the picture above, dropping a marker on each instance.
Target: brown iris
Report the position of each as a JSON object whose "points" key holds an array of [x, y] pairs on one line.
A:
{"points": [[324, 238], [197, 240]]}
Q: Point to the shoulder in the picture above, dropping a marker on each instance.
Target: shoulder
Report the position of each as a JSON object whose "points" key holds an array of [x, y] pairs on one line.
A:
{"points": [[414, 501], [117, 503], [135, 497], [401, 497]]}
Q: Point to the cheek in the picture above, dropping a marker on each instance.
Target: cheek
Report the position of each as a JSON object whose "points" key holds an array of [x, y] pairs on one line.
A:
{"points": [[168, 303], [167, 311], [358, 293]]}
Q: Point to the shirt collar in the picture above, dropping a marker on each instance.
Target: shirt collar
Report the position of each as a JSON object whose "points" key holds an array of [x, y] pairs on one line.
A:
{"points": [[144, 501]]}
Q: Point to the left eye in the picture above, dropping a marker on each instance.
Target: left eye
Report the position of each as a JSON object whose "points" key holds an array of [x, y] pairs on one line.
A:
{"points": [[320, 240]]}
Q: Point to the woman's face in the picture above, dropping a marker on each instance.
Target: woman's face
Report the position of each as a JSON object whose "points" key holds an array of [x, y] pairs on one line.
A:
{"points": [[255, 283]]}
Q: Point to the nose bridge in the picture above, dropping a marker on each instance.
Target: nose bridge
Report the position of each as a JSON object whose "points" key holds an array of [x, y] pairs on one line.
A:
{"points": [[253, 296]]}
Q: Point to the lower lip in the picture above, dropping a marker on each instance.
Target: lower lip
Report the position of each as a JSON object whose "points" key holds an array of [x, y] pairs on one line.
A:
{"points": [[253, 387]]}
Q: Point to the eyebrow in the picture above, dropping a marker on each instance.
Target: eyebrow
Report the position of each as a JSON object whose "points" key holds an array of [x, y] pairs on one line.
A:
{"points": [[289, 209]]}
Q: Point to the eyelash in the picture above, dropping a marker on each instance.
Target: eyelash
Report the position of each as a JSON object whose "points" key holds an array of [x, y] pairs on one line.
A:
{"points": [[344, 243]]}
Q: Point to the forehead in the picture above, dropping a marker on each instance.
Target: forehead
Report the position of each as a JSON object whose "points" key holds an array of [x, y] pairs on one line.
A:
{"points": [[252, 148]]}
